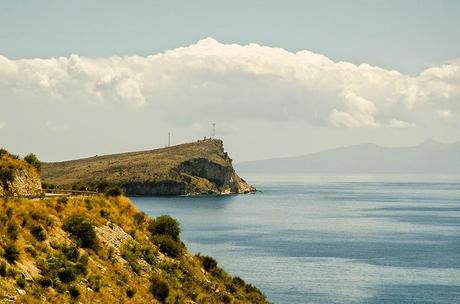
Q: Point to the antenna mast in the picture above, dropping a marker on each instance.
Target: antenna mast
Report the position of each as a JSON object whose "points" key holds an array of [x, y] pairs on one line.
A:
{"points": [[213, 130], [169, 139]]}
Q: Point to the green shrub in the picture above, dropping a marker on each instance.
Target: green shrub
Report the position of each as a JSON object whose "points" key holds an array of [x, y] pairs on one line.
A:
{"points": [[140, 218], [113, 191], [130, 292], [38, 232], [165, 224], [208, 262], [21, 282], [238, 281], [74, 292], [3, 152], [63, 200], [33, 160], [11, 253], [130, 251], [159, 288], [167, 245], [94, 282], [3, 269], [70, 251], [82, 264], [9, 212], [67, 273], [6, 175], [104, 213], [81, 230], [13, 231]]}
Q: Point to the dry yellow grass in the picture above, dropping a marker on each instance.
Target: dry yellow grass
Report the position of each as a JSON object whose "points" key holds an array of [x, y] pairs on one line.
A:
{"points": [[151, 166], [115, 270]]}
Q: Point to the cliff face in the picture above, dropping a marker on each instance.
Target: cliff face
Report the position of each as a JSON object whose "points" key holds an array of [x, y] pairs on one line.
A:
{"points": [[18, 178], [202, 167]]}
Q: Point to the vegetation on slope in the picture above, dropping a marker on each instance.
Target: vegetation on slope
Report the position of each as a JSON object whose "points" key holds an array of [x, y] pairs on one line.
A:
{"points": [[193, 168], [19, 177], [102, 250]]}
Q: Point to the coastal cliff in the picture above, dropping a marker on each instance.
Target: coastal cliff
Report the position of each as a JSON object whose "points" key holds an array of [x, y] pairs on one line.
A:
{"points": [[17, 177], [102, 249], [201, 167]]}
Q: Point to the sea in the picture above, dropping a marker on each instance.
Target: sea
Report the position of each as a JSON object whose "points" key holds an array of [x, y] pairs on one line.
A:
{"points": [[331, 239]]}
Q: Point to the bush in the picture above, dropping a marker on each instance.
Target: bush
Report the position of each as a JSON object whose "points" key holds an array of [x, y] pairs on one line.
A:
{"points": [[38, 232], [3, 269], [71, 252], [159, 288], [33, 160], [3, 152], [13, 231], [21, 282], [81, 230], [74, 292], [130, 292], [165, 224], [140, 218], [238, 281], [94, 283], [167, 245], [9, 212], [6, 175], [11, 253], [63, 200], [67, 273], [104, 213], [208, 262], [113, 191]]}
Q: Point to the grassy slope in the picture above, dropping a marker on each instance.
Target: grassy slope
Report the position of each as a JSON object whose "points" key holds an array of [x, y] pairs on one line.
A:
{"points": [[153, 165], [117, 273]]}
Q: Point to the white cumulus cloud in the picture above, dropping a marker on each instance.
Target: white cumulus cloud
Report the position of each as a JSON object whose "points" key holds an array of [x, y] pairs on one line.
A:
{"points": [[239, 82]]}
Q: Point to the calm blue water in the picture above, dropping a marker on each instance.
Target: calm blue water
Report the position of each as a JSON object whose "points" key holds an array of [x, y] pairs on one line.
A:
{"points": [[332, 239]]}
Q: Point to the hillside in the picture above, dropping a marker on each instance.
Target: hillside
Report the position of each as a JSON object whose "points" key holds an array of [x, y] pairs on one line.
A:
{"points": [[18, 177], [201, 167], [428, 157], [102, 250]]}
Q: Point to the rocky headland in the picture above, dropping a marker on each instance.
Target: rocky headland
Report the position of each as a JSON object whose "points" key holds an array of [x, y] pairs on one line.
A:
{"points": [[201, 167]]}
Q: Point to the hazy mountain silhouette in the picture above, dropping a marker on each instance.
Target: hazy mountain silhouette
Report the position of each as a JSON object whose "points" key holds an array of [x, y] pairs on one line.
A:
{"points": [[428, 157]]}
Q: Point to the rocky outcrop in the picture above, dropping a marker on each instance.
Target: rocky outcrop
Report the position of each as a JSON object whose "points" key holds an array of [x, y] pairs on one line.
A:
{"points": [[18, 178], [203, 176], [201, 167]]}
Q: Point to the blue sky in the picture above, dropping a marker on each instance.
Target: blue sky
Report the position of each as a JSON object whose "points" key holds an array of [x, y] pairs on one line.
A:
{"points": [[403, 35], [280, 78]]}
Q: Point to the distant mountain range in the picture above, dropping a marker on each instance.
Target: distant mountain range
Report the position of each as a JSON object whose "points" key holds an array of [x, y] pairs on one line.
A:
{"points": [[428, 157]]}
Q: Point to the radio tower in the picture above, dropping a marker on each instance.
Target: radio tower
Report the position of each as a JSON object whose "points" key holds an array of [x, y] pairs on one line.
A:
{"points": [[213, 130], [169, 139]]}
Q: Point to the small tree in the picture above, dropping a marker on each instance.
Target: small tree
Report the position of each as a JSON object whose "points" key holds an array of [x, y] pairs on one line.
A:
{"points": [[81, 230], [38, 232], [113, 191], [167, 245], [11, 253], [208, 262], [6, 175], [33, 160], [165, 224], [159, 288]]}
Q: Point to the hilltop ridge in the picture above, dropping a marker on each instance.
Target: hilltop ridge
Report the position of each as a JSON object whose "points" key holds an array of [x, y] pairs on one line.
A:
{"points": [[428, 157], [201, 167]]}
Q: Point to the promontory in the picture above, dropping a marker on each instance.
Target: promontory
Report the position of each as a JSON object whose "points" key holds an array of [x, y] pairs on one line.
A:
{"points": [[201, 167]]}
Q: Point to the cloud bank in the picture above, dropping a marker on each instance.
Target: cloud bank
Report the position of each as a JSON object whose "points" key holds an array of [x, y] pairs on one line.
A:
{"points": [[228, 82]]}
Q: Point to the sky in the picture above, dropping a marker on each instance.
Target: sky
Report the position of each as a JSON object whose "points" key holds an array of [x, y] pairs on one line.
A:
{"points": [[279, 78]]}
